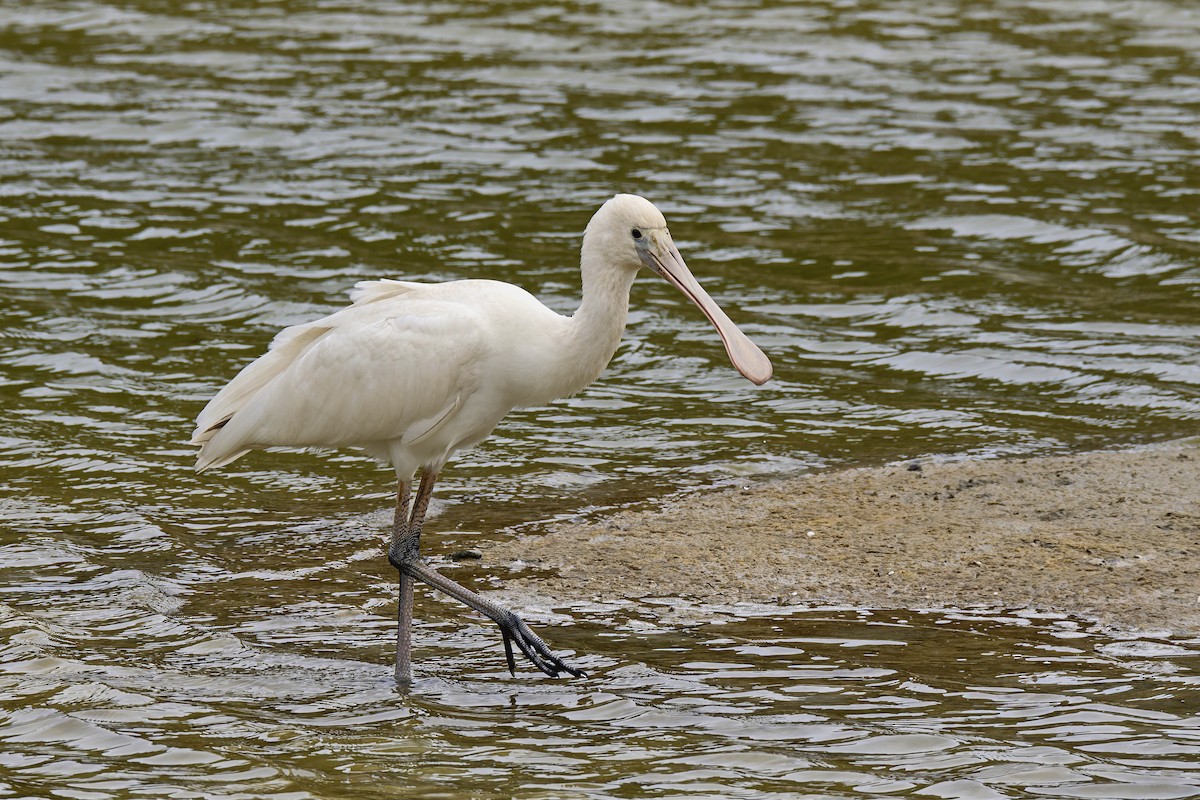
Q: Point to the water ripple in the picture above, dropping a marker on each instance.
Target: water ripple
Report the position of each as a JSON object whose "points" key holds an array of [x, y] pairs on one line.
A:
{"points": [[956, 227]]}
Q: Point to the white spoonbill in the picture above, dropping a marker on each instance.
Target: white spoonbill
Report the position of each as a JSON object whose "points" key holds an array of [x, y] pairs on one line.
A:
{"points": [[412, 372]]}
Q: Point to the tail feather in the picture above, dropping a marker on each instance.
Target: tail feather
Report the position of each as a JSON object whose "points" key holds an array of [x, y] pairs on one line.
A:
{"points": [[206, 462], [239, 392], [220, 444]]}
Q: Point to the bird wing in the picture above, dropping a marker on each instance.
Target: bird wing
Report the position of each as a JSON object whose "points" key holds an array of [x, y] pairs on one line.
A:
{"points": [[394, 365], [289, 344], [365, 292]]}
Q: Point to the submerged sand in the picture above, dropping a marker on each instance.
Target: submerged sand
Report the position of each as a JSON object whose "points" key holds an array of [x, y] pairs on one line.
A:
{"points": [[1108, 536]]}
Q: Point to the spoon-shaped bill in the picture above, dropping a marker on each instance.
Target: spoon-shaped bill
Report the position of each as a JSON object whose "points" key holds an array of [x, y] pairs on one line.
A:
{"points": [[663, 257]]}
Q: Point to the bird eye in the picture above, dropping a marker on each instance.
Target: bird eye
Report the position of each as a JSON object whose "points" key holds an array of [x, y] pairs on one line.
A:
{"points": [[637, 234]]}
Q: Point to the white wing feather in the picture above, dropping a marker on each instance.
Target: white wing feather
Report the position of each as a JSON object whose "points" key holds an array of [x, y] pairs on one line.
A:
{"points": [[371, 291], [391, 366]]}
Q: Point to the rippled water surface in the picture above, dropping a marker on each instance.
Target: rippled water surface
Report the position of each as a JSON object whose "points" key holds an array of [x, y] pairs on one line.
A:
{"points": [[294, 702], [957, 227]]}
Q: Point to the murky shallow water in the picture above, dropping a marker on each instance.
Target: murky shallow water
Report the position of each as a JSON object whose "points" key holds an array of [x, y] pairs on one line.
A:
{"points": [[750, 703], [957, 228]]}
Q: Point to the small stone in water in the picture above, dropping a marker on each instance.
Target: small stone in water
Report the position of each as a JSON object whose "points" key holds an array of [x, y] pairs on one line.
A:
{"points": [[465, 555]]}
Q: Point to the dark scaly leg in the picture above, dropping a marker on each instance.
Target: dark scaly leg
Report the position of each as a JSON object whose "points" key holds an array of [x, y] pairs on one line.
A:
{"points": [[406, 543], [512, 627], [404, 553], [405, 612], [405, 546]]}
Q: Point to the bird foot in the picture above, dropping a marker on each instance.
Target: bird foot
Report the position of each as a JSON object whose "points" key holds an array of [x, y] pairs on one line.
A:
{"points": [[515, 631], [512, 627]]}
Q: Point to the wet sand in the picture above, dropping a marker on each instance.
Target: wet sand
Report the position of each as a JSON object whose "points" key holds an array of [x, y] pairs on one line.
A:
{"points": [[1112, 537]]}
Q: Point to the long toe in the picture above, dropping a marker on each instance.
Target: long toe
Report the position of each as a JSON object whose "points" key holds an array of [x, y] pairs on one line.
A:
{"points": [[514, 629], [532, 646]]}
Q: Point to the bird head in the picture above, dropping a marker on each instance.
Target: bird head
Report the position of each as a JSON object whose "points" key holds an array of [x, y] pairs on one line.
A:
{"points": [[636, 233]]}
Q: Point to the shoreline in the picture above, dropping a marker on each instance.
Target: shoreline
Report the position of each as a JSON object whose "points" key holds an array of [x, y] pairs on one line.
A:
{"points": [[1109, 536]]}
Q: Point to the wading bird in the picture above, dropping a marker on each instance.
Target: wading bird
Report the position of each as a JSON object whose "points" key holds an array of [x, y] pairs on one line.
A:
{"points": [[412, 372]]}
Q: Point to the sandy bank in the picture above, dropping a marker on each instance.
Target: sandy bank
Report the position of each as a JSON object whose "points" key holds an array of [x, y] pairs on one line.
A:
{"points": [[1113, 536]]}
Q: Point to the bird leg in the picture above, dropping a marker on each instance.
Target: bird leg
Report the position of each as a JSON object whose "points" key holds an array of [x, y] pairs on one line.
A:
{"points": [[405, 544], [512, 627], [404, 554]]}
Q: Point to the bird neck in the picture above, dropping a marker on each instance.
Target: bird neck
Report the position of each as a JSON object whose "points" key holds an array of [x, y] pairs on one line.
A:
{"points": [[596, 327]]}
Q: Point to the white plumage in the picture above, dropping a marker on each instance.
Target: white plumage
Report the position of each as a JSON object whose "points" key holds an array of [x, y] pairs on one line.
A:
{"points": [[412, 372]]}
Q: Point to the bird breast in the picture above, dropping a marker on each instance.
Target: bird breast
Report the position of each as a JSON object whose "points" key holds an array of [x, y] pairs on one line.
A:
{"points": [[418, 370]]}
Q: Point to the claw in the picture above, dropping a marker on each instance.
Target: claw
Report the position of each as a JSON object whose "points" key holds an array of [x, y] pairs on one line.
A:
{"points": [[514, 630], [512, 627], [508, 654]]}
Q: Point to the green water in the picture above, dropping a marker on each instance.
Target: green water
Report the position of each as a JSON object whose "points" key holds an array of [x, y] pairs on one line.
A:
{"points": [[962, 228]]}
